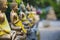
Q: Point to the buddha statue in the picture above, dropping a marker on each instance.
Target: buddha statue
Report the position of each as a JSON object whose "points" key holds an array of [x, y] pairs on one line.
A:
{"points": [[3, 20], [51, 14], [28, 7], [22, 7], [25, 20], [14, 17], [5, 30]]}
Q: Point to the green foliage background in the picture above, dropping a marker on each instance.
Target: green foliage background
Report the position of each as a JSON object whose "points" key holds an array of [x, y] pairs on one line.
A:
{"points": [[43, 4]]}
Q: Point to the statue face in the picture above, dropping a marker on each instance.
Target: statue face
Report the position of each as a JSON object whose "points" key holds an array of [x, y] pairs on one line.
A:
{"points": [[16, 8], [4, 5]]}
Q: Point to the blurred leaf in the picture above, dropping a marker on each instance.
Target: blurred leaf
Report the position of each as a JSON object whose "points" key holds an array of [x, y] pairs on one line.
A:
{"points": [[18, 1]]}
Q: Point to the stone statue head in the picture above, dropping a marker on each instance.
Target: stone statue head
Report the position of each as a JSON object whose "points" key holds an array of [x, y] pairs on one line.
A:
{"points": [[14, 6], [28, 7], [3, 5]]}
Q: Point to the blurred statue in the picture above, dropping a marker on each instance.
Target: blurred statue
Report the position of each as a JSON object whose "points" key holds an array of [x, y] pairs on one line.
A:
{"points": [[33, 29], [3, 21], [28, 7], [33, 18], [51, 14], [25, 21], [14, 17], [17, 23], [5, 31], [22, 7], [3, 5]]}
